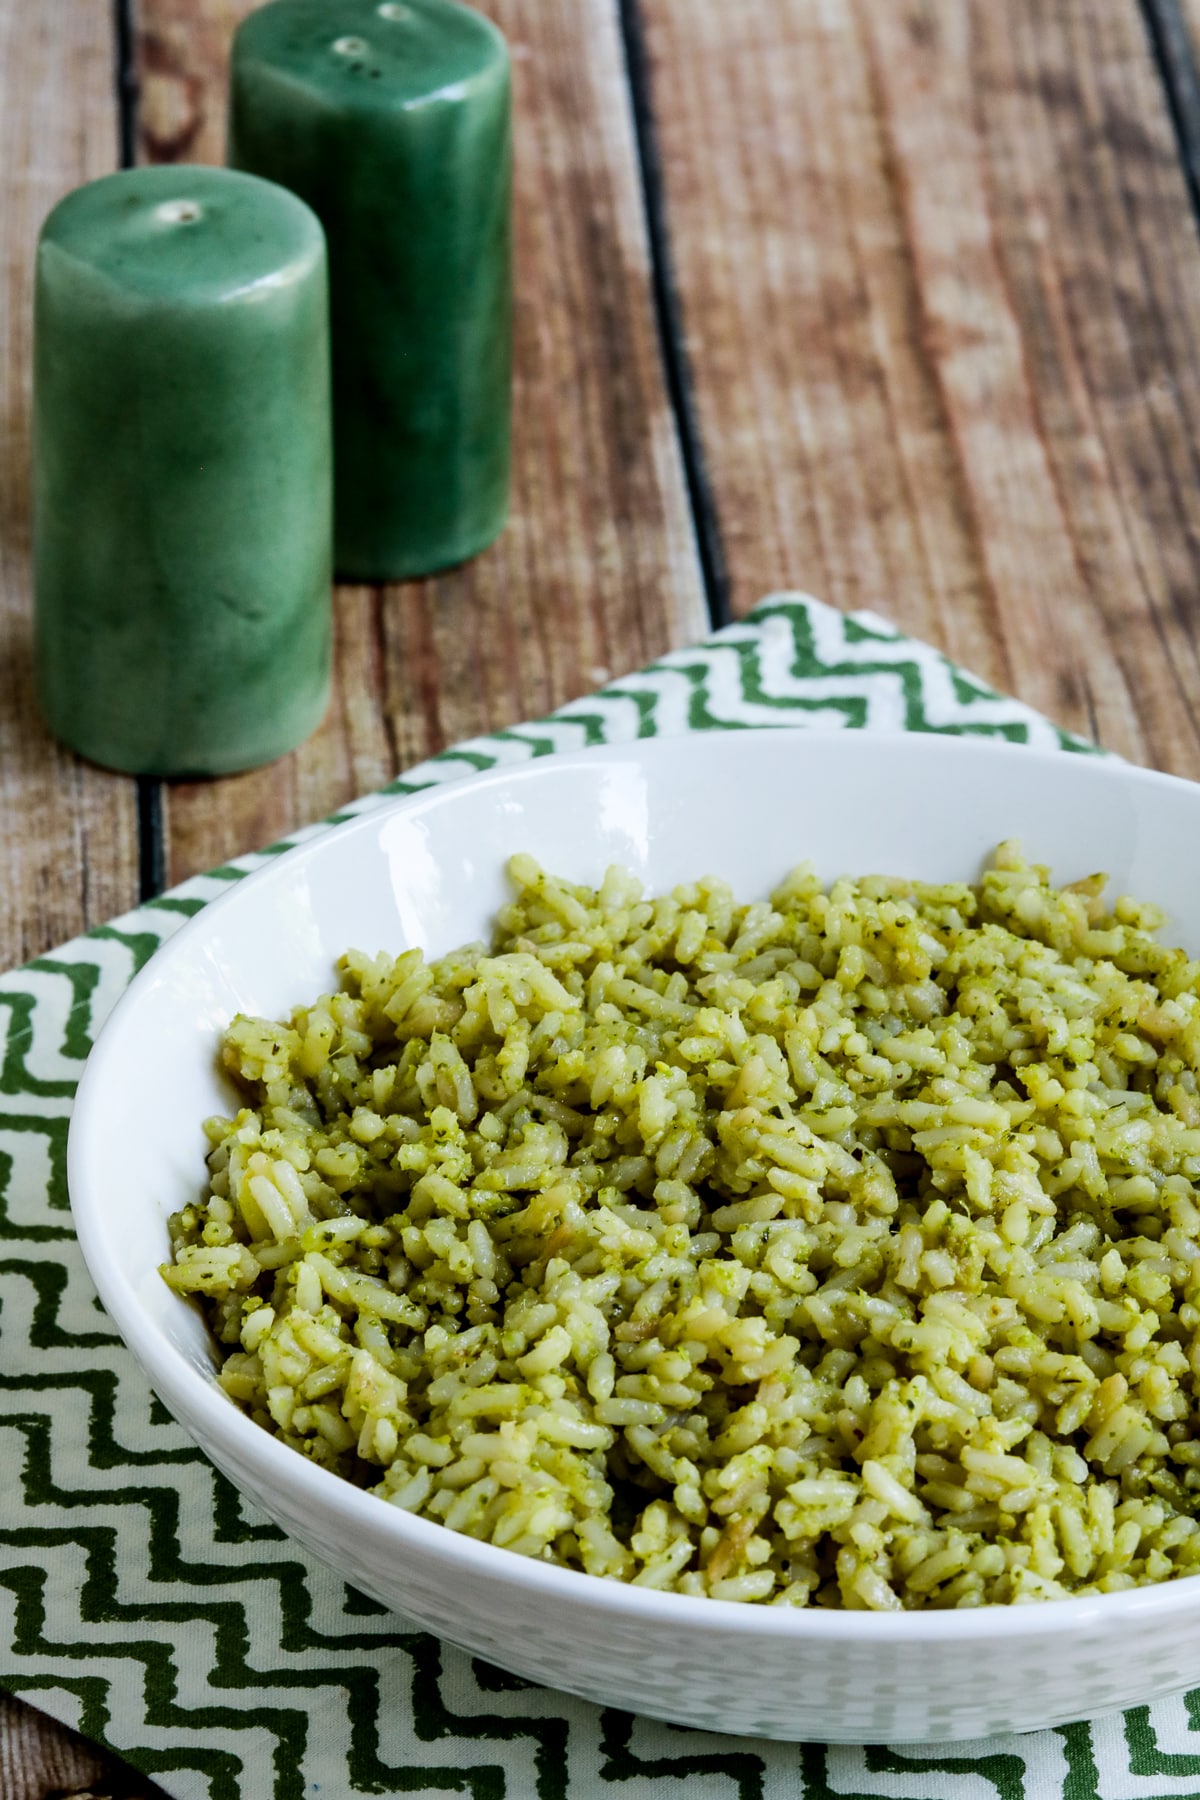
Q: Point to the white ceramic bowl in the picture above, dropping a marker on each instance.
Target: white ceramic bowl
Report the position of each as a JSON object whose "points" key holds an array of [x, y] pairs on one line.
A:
{"points": [[429, 871]]}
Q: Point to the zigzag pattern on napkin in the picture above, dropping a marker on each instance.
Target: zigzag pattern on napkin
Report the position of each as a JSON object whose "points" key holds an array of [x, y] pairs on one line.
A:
{"points": [[142, 1602]]}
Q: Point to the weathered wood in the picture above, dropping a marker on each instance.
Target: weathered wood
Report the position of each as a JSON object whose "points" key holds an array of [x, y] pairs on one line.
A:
{"points": [[39, 1759], [597, 569], [182, 58], [940, 285], [941, 289], [69, 831]]}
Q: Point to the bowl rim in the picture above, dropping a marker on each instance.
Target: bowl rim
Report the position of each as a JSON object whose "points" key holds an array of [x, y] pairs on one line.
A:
{"points": [[220, 1421]]}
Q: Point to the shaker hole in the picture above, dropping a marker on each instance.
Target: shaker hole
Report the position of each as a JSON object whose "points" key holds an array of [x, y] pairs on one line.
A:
{"points": [[178, 212], [391, 9], [350, 46]]}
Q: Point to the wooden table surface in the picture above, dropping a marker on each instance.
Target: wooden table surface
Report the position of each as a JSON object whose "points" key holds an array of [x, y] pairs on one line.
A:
{"points": [[899, 303]]}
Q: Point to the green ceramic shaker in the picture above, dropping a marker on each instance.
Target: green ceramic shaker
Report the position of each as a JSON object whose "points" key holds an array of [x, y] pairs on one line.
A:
{"points": [[182, 471], [392, 121]]}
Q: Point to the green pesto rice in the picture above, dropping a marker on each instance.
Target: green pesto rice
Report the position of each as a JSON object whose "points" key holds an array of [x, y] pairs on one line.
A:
{"points": [[839, 1249]]}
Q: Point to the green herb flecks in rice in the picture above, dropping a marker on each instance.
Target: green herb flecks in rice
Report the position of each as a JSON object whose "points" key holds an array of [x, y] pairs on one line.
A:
{"points": [[838, 1249]]}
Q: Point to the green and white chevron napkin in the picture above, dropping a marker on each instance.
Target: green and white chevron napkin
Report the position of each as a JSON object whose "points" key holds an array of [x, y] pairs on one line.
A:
{"points": [[144, 1604]]}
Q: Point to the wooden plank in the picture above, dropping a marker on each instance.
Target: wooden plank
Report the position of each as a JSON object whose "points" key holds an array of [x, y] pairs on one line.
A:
{"points": [[41, 1760], [69, 831], [941, 288], [597, 570]]}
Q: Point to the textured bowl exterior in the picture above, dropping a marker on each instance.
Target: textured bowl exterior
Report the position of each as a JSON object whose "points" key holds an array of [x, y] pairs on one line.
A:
{"points": [[429, 870], [760, 1672]]}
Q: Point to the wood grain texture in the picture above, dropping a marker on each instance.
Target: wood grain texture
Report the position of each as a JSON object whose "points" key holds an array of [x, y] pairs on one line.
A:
{"points": [[41, 1760], [597, 570], [941, 290], [69, 831]]}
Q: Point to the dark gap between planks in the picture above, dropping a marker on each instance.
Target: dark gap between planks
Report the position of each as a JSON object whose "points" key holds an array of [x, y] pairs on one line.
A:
{"points": [[669, 315], [151, 833], [1172, 51]]}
